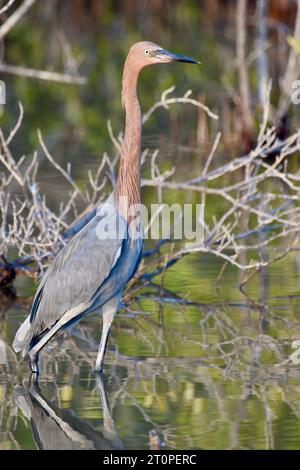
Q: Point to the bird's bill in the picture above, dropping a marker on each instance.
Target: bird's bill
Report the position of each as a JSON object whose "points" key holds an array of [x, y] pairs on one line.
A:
{"points": [[167, 56]]}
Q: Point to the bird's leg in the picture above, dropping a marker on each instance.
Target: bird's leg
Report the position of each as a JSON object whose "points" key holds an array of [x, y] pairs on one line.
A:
{"points": [[108, 313], [34, 352], [109, 430], [103, 397], [34, 363], [103, 342], [33, 382]]}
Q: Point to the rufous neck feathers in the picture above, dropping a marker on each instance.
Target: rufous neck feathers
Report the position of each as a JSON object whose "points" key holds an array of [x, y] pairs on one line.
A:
{"points": [[127, 190]]}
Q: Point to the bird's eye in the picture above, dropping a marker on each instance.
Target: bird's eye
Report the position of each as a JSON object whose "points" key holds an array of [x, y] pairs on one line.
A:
{"points": [[147, 52]]}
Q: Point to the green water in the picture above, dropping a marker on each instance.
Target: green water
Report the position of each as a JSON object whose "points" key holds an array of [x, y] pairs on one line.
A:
{"points": [[215, 374]]}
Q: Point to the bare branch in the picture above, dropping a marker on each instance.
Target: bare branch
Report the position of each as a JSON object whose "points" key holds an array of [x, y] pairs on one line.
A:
{"points": [[43, 74], [15, 17]]}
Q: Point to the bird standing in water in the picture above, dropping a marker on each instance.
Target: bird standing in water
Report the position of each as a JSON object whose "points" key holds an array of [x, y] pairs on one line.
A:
{"points": [[91, 270]]}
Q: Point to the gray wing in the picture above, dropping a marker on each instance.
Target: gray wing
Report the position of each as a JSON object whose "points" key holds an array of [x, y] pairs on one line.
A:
{"points": [[76, 274]]}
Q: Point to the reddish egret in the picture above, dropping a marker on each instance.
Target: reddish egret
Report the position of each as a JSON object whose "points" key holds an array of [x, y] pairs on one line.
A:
{"points": [[91, 270]]}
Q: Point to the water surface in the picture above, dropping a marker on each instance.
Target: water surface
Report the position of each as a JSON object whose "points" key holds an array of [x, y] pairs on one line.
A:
{"points": [[209, 372]]}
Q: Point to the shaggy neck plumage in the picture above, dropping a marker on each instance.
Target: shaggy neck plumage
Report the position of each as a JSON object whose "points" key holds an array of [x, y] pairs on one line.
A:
{"points": [[127, 191]]}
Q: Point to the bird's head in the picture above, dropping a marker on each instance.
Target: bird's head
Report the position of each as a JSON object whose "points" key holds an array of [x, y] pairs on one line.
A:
{"points": [[147, 53]]}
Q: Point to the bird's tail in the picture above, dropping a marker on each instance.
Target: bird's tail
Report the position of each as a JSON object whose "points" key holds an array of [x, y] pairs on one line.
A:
{"points": [[22, 337]]}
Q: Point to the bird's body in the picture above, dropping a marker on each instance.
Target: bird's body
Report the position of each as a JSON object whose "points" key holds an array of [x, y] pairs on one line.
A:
{"points": [[87, 275], [91, 270]]}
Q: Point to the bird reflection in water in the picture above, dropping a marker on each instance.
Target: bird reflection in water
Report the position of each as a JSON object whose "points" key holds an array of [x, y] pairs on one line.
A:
{"points": [[54, 428], [7, 299]]}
